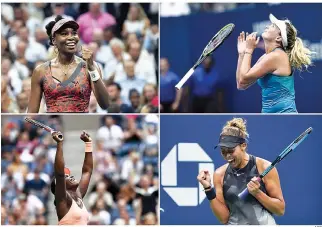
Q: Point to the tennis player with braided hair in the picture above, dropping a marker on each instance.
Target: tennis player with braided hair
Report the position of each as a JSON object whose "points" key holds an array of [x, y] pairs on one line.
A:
{"points": [[274, 70], [67, 80], [69, 193], [229, 180]]}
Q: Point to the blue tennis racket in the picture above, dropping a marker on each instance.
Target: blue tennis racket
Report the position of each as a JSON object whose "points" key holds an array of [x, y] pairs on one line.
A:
{"points": [[279, 158]]}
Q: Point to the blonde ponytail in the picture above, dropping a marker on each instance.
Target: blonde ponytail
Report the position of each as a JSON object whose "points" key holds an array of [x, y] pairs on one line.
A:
{"points": [[298, 54]]}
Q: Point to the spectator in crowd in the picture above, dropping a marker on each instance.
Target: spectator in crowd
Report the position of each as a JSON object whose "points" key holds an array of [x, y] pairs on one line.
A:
{"points": [[174, 9], [124, 217], [104, 160], [148, 196], [109, 33], [134, 97], [111, 133], [101, 193], [116, 105], [34, 51], [99, 217], [203, 87], [132, 167], [11, 184], [114, 65], [10, 73], [144, 62], [169, 96], [26, 207], [137, 22], [95, 18], [149, 219], [8, 101], [38, 186], [131, 81], [104, 52], [149, 103], [4, 215]]}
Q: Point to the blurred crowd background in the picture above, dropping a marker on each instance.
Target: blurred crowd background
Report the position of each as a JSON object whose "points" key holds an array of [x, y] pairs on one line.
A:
{"points": [[187, 28], [123, 37], [176, 9], [124, 184]]}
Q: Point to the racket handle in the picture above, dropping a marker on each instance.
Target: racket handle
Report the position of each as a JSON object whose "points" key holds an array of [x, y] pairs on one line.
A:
{"points": [[184, 79], [52, 131], [245, 192]]}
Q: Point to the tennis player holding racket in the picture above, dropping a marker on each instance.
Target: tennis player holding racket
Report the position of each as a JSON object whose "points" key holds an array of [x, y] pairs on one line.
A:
{"points": [[285, 53], [242, 170], [69, 193]]}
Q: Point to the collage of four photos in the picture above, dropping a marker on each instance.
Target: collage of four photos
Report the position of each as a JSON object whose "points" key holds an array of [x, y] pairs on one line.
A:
{"points": [[161, 113]]}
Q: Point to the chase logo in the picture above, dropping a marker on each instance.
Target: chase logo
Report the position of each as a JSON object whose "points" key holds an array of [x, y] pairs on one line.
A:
{"points": [[184, 152]]}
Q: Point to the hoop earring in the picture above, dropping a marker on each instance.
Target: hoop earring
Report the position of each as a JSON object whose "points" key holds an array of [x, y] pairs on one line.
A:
{"points": [[56, 50]]}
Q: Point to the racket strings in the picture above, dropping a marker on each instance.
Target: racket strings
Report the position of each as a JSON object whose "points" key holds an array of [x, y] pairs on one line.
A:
{"points": [[219, 38]]}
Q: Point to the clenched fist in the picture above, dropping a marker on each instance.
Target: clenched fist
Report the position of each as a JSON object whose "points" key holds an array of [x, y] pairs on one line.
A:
{"points": [[204, 178], [85, 137], [253, 186], [87, 55], [57, 136]]}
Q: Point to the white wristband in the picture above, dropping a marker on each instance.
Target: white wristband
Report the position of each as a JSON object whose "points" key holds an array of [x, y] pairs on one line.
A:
{"points": [[94, 75]]}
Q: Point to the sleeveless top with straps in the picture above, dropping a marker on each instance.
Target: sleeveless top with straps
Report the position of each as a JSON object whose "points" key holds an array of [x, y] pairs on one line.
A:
{"points": [[278, 93], [75, 215], [248, 211], [72, 95]]}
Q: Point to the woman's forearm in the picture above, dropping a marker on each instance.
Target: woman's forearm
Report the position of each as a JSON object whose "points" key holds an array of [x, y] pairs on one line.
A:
{"points": [[245, 67], [59, 160], [220, 210], [273, 205], [101, 93], [88, 160], [240, 60]]}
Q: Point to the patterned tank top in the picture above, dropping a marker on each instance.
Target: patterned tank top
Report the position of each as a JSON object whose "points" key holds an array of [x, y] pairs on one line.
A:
{"points": [[72, 95], [248, 211]]}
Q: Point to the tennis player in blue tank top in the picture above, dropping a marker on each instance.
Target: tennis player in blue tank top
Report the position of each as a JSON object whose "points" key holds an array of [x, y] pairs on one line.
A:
{"points": [[273, 72]]}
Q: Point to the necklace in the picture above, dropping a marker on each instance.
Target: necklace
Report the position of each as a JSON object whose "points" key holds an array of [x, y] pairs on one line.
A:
{"points": [[65, 68], [236, 172]]}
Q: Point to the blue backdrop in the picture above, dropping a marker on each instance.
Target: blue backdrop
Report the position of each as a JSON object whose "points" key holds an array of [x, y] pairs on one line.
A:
{"points": [[183, 39], [300, 172]]}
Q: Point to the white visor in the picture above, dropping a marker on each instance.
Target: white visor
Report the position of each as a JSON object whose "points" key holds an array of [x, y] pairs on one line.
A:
{"points": [[282, 26]]}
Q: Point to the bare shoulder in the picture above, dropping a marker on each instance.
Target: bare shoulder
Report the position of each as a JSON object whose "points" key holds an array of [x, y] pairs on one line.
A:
{"points": [[39, 70], [278, 55], [219, 175], [220, 172], [262, 164]]}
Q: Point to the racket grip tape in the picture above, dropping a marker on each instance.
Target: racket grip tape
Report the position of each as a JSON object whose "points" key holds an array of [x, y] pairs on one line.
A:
{"points": [[245, 192], [184, 79]]}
